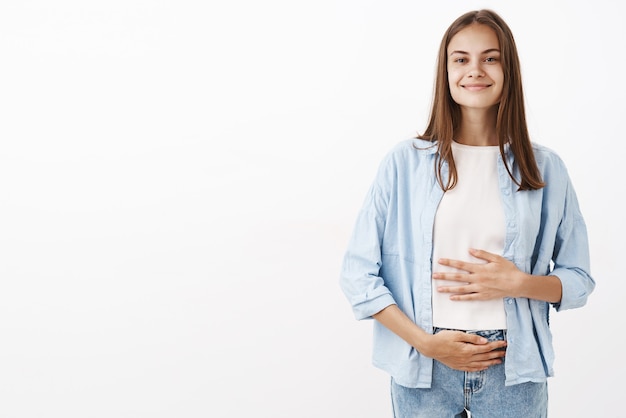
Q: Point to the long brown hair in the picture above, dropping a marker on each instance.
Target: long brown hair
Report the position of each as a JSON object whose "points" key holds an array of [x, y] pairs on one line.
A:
{"points": [[445, 115]]}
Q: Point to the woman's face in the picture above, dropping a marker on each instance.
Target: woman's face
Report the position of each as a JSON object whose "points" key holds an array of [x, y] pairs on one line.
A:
{"points": [[475, 73]]}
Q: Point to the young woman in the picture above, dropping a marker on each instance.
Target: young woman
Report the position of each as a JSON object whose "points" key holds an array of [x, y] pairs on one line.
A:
{"points": [[465, 238]]}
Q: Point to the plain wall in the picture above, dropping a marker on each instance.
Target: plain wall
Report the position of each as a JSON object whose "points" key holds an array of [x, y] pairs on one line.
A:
{"points": [[179, 179]]}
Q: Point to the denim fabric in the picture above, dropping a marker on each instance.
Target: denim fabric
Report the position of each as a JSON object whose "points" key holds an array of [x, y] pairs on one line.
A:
{"points": [[483, 394], [389, 257]]}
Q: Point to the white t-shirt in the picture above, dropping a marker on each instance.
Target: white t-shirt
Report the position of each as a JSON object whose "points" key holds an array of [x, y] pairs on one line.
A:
{"points": [[469, 216]]}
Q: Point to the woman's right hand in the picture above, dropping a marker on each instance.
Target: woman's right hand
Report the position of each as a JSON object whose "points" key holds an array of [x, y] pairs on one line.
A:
{"points": [[462, 351], [456, 349]]}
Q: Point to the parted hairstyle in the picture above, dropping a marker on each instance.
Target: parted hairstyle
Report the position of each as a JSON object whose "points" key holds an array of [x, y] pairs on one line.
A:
{"points": [[511, 128]]}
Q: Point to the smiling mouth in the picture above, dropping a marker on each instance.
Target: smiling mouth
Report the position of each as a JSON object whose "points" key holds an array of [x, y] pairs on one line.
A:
{"points": [[475, 87]]}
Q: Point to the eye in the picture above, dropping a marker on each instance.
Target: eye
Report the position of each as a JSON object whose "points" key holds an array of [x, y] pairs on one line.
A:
{"points": [[460, 60], [491, 59]]}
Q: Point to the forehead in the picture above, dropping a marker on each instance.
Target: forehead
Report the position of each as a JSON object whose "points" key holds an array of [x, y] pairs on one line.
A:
{"points": [[475, 37]]}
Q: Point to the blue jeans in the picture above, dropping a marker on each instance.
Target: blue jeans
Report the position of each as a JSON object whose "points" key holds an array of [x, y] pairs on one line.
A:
{"points": [[454, 392]]}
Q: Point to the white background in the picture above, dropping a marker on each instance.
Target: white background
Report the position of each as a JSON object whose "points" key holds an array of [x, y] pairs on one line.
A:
{"points": [[179, 179]]}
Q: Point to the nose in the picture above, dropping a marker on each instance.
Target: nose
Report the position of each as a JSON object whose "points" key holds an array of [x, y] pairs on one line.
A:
{"points": [[476, 71]]}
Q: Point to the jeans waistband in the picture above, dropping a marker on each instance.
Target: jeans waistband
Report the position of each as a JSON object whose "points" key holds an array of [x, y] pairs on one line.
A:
{"points": [[491, 334]]}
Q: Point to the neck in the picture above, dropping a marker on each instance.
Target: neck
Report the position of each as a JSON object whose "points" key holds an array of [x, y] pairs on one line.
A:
{"points": [[478, 127]]}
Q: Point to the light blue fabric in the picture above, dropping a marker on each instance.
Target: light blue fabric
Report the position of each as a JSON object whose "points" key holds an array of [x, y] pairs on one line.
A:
{"points": [[389, 258]]}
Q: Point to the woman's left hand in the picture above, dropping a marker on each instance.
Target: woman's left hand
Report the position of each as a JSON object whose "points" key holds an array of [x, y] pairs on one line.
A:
{"points": [[495, 279]]}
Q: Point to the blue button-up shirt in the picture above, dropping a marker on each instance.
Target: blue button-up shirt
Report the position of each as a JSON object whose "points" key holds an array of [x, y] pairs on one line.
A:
{"points": [[389, 257]]}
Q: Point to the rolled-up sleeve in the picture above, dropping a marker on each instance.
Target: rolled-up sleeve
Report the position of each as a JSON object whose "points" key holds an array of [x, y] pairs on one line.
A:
{"points": [[360, 278], [571, 255]]}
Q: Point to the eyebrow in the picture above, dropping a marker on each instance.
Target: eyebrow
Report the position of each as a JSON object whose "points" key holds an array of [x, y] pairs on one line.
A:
{"points": [[487, 51]]}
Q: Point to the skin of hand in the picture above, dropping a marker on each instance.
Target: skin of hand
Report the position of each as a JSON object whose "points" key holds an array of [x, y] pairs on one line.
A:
{"points": [[466, 352], [457, 350], [498, 278]]}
